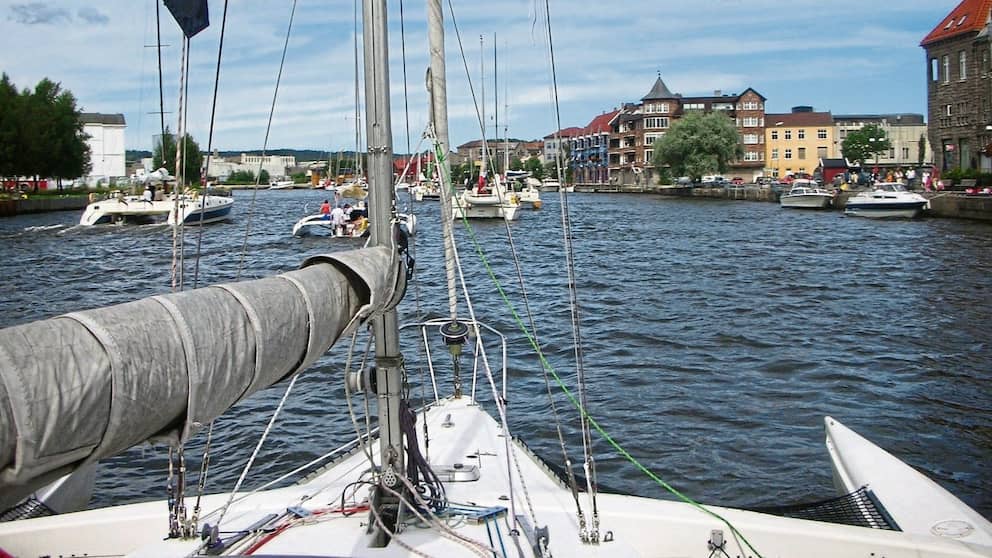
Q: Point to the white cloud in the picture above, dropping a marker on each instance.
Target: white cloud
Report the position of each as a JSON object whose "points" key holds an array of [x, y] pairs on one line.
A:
{"points": [[802, 53]]}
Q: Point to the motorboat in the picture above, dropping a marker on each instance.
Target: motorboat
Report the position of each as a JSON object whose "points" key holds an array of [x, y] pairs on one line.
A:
{"points": [[806, 194], [886, 200], [527, 189], [190, 208]]}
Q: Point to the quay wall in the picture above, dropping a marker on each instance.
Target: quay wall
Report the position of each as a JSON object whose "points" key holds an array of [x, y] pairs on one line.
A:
{"points": [[9, 208], [952, 205]]}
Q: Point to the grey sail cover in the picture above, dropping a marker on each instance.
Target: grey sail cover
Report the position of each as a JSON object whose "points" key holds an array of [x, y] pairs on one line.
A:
{"points": [[91, 384]]}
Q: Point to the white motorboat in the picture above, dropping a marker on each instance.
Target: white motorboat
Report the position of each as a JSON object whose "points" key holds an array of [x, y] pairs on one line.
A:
{"points": [[281, 185], [189, 209], [447, 479], [527, 189], [320, 223], [884, 200], [806, 194]]}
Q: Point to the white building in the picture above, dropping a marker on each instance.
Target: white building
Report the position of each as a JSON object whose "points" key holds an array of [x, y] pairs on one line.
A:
{"points": [[106, 141], [902, 130]]}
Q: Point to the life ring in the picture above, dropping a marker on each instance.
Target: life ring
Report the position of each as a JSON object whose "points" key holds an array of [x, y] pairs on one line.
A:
{"points": [[637, 170]]}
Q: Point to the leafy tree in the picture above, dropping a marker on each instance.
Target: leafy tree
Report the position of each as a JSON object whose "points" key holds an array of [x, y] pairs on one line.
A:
{"points": [[861, 145], [263, 177], [699, 144], [10, 126], [241, 177], [516, 164], [69, 151], [192, 161], [922, 149], [534, 167]]}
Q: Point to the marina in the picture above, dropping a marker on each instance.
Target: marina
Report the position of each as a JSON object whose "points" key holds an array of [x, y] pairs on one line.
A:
{"points": [[879, 336], [681, 345]]}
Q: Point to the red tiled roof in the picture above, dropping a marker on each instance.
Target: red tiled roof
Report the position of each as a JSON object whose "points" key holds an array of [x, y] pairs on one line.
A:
{"points": [[797, 119], [968, 16], [569, 132], [601, 123]]}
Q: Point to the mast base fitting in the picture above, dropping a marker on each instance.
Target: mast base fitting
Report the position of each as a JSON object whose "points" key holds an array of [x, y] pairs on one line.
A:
{"points": [[362, 380], [454, 333]]}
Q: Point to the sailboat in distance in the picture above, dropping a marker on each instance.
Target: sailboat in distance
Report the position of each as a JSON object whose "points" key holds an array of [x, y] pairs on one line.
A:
{"points": [[448, 478]]}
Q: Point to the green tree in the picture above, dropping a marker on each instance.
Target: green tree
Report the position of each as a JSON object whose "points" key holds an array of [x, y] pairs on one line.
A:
{"points": [[10, 126], [516, 164], [861, 145], [192, 161], [699, 144], [263, 177], [534, 167], [922, 149], [69, 151]]}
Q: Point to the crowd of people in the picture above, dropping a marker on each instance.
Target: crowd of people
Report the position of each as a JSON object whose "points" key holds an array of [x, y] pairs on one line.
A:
{"points": [[912, 178]]}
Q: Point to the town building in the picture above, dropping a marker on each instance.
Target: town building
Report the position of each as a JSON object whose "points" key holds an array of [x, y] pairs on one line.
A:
{"points": [[959, 87], [559, 143], [796, 142], [589, 158], [276, 165], [906, 132], [106, 142], [471, 152], [637, 126]]}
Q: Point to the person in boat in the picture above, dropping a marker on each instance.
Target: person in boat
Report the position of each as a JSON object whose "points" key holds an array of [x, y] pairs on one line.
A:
{"points": [[325, 209], [347, 212], [146, 196], [481, 189], [337, 220]]}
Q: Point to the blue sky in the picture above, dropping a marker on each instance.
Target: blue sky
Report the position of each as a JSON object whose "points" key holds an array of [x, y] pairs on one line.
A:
{"points": [[844, 56]]}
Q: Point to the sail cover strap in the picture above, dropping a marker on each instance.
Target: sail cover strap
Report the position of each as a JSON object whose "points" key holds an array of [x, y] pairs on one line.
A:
{"points": [[88, 385]]}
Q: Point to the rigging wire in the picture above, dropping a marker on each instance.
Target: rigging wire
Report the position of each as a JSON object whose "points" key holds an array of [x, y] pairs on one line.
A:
{"points": [[590, 462], [265, 143]]}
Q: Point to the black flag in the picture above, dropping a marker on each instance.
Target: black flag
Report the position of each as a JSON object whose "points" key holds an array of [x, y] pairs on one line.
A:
{"points": [[191, 15]]}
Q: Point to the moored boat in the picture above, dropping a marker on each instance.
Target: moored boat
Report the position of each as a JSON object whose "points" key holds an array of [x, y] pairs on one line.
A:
{"points": [[886, 200], [806, 194]]}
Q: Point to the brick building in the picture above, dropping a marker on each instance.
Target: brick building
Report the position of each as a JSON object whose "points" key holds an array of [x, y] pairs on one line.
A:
{"points": [[959, 87], [637, 126]]}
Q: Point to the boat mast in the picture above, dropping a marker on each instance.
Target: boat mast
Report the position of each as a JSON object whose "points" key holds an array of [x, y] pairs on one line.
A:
{"points": [[438, 95], [389, 383], [485, 146]]}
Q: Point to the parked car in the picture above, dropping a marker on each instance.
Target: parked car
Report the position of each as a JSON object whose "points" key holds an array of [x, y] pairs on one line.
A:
{"points": [[712, 180], [764, 180], [684, 181], [737, 181]]}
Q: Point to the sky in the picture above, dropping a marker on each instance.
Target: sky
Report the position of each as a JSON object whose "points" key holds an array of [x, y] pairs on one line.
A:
{"points": [[843, 56]]}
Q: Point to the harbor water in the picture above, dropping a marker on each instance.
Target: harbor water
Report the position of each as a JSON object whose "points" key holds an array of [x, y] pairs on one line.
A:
{"points": [[716, 335]]}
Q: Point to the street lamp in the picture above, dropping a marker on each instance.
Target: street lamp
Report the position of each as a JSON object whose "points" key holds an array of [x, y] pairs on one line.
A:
{"points": [[872, 141]]}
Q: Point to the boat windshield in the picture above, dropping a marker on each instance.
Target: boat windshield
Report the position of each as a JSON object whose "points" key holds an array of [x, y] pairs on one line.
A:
{"points": [[890, 187]]}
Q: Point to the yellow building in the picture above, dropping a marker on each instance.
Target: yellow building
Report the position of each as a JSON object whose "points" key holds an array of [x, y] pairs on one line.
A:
{"points": [[796, 141]]}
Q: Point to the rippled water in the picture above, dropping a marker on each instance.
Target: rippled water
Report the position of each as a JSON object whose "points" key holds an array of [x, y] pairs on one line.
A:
{"points": [[716, 335]]}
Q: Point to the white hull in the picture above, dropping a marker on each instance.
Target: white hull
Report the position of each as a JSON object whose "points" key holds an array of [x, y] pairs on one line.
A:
{"points": [[489, 206], [321, 224], [881, 212], [808, 201], [133, 209], [472, 458]]}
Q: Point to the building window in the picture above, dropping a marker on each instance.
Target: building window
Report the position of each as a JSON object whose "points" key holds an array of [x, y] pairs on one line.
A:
{"points": [[656, 122], [648, 154], [962, 65], [905, 153], [821, 133], [946, 63], [750, 105], [751, 139], [694, 106], [788, 134], [751, 122], [801, 134], [934, 73], [649, 139], [802, 153], [947, 110], [774, 154], [821, 152], [751, 156], [788, 153], [774, 134]]}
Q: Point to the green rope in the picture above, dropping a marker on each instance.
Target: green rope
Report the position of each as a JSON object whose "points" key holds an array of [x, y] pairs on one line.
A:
{"points": [[575, 403]]}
